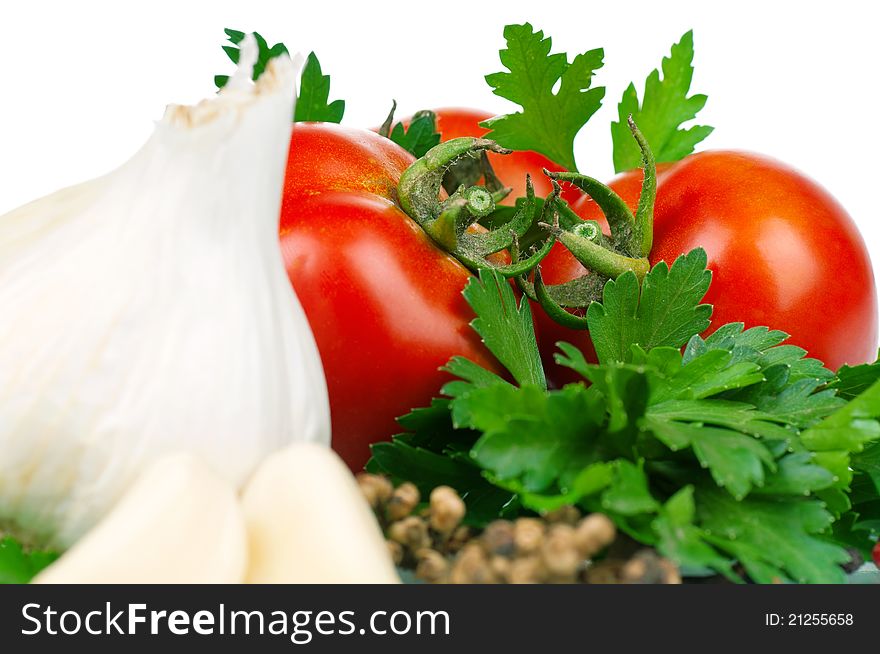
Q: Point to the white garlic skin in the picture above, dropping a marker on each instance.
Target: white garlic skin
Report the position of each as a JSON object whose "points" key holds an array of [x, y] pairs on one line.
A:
{"points": [[307, 522], [178, 523], [148, 312]]}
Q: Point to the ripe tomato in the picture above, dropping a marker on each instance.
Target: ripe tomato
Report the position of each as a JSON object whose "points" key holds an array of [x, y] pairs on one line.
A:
{"points": [[783, 252], [384, 303]]}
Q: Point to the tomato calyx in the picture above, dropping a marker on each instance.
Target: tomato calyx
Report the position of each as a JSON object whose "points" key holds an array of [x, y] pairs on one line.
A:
{"points": [[448, 222], [605, 257]]}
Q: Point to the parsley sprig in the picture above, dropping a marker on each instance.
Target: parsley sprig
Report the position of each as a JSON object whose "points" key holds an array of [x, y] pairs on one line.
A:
{"points": [[733, 448], [313, 101], [557, 98], [664, 107], [549, 120]]}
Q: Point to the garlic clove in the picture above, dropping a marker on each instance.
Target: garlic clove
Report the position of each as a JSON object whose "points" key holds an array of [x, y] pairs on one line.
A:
{"points": [[307, 522], [179, 523]]}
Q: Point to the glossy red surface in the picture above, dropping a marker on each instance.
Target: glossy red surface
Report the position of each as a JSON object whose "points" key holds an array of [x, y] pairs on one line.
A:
{"points": [[783, 251], [383, 302]]}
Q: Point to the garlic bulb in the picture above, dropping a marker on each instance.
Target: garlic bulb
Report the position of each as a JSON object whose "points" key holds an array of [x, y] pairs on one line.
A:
{"points": [[148, 312]]}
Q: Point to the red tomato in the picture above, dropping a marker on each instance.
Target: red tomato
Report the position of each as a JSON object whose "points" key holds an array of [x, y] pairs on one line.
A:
{"points": [[875, 554], [384, 303], [783, 252]]}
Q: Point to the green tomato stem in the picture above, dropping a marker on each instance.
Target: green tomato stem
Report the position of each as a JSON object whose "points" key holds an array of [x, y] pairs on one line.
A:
{"points": [[598, 258], [643, 239], [617, 213], [420, 184], [631, 235]]}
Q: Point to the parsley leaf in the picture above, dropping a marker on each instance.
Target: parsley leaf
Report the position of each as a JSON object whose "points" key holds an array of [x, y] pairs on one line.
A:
{"points": [[314, 87], [774, 540], [850, 428], [420, 136], [793, 387], [264, 54], [515, 444], [629, 493], [549, 121], [507, 330], [434, 453], [853, 380], [763, 346], [19, 566], [402, 461], [796, 474], [314, 92], [847, 431], [664, 108], [681, 540], [588, 482], [736, 460], [665, 311], [860, 527]]}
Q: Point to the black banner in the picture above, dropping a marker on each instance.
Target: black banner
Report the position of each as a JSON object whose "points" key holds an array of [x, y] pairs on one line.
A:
{"points": [[421, 618]]}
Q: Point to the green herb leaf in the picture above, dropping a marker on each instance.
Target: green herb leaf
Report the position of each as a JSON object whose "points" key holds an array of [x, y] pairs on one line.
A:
{"points": [[850, 428], [664, 108], [515, 444], [792, 389], [264, 54], [507, 330], [629, 494], [682, 541], [854, 380], [549, 121], [735, 460], [402, 461], [666, 311], [314, 87], [421, 136], [19, 566], [775, 540], [860, 526], [868, 462], [796, 474], [314, 93], [588, 482]]}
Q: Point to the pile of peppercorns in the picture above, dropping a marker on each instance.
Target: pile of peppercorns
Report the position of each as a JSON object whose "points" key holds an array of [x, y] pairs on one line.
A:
{"points": [[559, 547]]}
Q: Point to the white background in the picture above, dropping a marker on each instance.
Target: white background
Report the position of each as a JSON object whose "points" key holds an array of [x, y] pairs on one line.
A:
{"points": [[83, 82]]}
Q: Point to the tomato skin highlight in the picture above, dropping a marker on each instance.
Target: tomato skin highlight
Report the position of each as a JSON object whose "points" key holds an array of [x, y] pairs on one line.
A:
{"points": [[383, 302], [328, 157], [783, 252]]}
